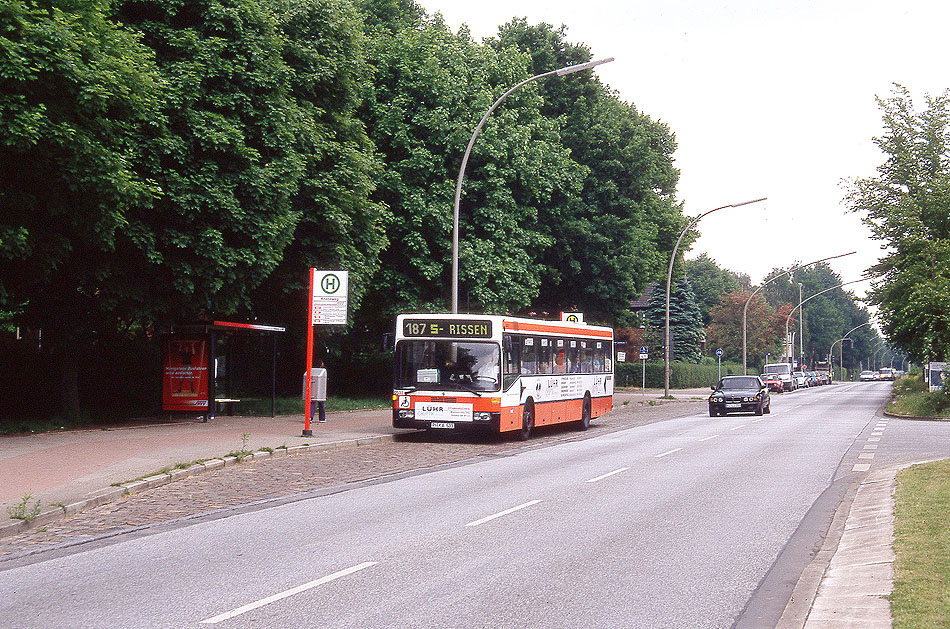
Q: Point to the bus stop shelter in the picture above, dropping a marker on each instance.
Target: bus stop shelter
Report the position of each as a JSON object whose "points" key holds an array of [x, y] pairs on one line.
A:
{"points": [[190, 365]]}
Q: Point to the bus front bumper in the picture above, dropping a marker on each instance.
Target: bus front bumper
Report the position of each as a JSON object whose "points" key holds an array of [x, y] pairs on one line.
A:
{"points": [[476, 425]]}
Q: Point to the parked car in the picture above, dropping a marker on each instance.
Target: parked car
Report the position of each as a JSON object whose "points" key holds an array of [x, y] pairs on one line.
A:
{"points": [[736, 394], [825, 377], [801, 380], [815, 378], [868, 376], [783, 371], [773, 381]]}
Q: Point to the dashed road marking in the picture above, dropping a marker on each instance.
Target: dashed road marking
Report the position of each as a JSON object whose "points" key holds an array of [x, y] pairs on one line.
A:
{"points": [[708, 438], [874, 447], [874, 438], [286, 593], [603, 476], [737, 427], [667, 453], [756, 421], [503, 513], [861, 467], [866, 455]]}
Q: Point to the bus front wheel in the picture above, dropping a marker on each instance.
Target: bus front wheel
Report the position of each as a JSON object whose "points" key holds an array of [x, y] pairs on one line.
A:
{"points": [[527, 421], [584, 423]]}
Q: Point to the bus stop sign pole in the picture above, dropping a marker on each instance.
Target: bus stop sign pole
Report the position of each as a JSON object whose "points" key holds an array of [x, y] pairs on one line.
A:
{"points": [[307, 432]]}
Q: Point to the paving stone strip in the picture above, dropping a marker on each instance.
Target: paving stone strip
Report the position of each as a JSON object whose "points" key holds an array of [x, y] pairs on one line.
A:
{"points": [[259, 478]]}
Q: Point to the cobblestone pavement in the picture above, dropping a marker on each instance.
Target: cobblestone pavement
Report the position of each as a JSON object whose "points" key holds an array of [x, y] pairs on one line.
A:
{"points": [[273, 478]]}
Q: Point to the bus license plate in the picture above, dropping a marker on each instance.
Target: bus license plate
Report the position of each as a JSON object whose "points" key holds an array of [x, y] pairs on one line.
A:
{"points": [[441, 425]]}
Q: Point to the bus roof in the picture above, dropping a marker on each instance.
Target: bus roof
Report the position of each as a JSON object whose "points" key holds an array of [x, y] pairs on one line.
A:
{"points": [[518, 324]]}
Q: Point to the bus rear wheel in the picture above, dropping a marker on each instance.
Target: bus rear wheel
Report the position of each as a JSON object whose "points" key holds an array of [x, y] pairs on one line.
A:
{"points": [[527, 421], [584, 422]]}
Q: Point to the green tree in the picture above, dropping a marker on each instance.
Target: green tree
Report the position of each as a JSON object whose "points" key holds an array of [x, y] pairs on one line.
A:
{"points": [[340, 227], [765, 327], [80, 99], [710, 283], [907, 207], [430, 89], [615, 238], [229, 162], [686, 321]]}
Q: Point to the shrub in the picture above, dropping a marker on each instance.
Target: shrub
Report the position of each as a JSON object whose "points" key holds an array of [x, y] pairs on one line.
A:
{"points": [[682, 375]]}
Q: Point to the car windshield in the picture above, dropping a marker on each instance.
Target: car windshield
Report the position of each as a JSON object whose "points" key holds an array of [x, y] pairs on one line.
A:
{"points": [[739, 383], [448, 365]]}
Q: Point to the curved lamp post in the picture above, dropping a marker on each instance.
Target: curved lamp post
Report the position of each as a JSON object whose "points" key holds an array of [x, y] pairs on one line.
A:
{"points": [[580, 67], [669, 278], [745, 309], [830, 349], [801, 303]]}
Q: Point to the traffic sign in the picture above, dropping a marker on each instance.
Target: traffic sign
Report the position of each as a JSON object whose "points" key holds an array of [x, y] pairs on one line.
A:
{"points": [[719, 352], [330, 291], [644, 350]]}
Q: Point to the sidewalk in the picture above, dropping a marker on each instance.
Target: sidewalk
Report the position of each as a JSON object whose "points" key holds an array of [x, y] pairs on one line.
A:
{"points": [[68, 466]]}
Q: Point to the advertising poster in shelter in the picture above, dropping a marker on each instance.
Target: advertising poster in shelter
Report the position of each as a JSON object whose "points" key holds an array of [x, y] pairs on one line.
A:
{"points": [[185, 373]]}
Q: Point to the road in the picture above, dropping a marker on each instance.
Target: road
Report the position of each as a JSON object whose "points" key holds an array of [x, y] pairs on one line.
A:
{"points": [[690, 522]]}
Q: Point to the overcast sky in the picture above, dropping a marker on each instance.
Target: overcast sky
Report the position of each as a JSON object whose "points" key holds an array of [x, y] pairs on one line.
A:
{"points": [[765, 98]]}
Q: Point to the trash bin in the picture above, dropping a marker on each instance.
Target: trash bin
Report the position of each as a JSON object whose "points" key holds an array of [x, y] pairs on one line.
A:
{"points": [[318, 392]]}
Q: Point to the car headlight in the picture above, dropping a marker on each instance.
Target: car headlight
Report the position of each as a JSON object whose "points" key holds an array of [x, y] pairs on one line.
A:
{"points": [[746, 399], [407, 414], [716, 398]]}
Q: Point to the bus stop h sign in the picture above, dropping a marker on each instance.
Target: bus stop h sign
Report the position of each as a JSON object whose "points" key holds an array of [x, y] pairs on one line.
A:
{"points": [[330, 290]]}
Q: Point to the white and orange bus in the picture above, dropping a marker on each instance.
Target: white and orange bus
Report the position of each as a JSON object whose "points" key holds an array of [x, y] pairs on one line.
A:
{"points": [[499, 374]]}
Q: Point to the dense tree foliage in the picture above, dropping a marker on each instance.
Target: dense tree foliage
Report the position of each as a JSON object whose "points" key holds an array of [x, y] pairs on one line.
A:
{"points": [[613, 238], [765, 327], [686, 321], [166, 161], [907, 207], [710, 283]]}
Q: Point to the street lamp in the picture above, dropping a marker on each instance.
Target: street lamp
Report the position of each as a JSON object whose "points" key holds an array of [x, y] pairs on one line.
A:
{"points": [[841, 363], [801, 332], [745, 309], [580, 67], [789, 317], [669, 278]]}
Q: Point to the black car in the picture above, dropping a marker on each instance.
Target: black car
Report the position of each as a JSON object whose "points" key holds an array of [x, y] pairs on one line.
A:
{"points": [[736, 394]]}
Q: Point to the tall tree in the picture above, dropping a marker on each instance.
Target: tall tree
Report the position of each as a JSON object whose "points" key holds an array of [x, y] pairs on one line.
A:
{"points": [[765, 327], [710, 282], [80, 98], [686, 321], [431, 88], [907, 207], [616, 237]]}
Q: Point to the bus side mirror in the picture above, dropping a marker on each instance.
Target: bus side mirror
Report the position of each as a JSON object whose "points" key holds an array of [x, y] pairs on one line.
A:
{"points": [[389, 342]]}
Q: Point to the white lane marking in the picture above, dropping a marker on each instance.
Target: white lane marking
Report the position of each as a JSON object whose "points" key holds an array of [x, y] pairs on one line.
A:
{"points": [[737, 427], [874, 447], [603, 476], [874, 438], [502, 513], [708, 438], [286, 593], [877, 434], [861, 467], [756, 421], [667, 453], [866, 456]]}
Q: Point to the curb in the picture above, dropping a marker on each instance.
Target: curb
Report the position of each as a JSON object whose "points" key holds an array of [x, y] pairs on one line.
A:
{"points": [[916, 417], [112, 493]]}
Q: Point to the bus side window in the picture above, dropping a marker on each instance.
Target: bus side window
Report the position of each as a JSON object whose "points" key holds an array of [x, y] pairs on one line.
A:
{"points": [[545, 356], [600, 359], [529, 356], [560, 358]]}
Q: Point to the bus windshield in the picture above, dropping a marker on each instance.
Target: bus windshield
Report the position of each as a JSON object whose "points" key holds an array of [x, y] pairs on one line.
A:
{"points": [[448, 365]]}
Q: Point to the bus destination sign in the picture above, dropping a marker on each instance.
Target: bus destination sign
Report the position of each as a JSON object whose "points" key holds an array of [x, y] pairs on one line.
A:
{"points": [[452, 328]]}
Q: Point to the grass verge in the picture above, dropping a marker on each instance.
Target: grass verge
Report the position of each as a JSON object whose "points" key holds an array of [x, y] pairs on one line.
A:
{"points": [[921, 596], [294, 405], [910, 397]]}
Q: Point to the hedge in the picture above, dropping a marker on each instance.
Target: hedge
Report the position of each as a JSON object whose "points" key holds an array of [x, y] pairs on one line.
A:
{"points": [[682, 375]]}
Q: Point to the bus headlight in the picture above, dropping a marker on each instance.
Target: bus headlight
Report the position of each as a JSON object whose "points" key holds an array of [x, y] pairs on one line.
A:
{"points": [[410, 414], [481, 416]]}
